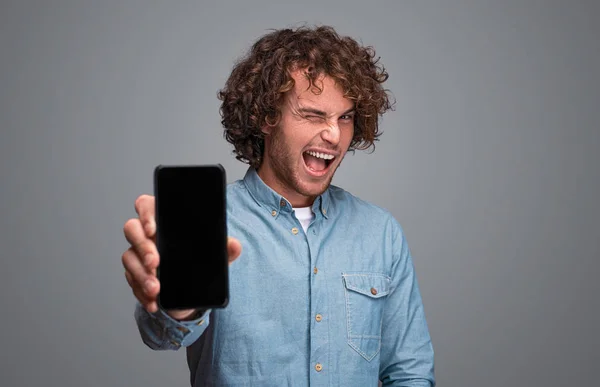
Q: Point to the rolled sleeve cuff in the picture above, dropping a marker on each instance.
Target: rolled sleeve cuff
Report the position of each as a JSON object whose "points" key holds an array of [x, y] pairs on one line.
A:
{"points": [[161, 331]]}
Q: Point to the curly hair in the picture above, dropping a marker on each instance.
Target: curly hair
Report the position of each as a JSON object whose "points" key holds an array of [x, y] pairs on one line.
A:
{"points": [[253, 94]]}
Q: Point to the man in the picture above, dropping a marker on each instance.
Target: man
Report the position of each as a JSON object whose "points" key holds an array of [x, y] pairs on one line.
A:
{"points": [[324, 292]]}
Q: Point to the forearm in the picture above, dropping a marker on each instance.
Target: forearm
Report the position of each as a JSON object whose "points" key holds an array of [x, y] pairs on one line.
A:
{"points": [[408, 383], [407, 357], [160, 331]]}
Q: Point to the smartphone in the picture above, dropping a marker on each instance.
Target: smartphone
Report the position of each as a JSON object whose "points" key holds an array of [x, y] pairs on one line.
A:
{"points": [[191, 236]]}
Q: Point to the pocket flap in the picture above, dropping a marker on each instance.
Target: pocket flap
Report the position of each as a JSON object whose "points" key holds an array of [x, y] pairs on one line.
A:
{"points": [[368, 284]]}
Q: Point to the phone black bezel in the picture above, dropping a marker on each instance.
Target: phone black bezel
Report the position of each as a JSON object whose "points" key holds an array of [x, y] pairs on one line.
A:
{"points": [[222, 225]]}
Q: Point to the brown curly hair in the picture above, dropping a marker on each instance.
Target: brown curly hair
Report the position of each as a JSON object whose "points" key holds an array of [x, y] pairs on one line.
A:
{"points": [[254, 91]]}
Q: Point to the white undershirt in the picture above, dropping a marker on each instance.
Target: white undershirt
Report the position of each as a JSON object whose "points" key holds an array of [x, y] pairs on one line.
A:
{"points": [[305, 216]]}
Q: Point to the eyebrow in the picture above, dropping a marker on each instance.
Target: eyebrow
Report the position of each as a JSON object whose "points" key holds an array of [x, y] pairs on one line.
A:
{"points": [[321, 113]]}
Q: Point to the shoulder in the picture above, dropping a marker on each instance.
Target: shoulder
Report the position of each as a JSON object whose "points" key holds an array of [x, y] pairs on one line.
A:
{"points": [[238, 196], [352, 209], [236, 188], [348, 205], [375, 221]]}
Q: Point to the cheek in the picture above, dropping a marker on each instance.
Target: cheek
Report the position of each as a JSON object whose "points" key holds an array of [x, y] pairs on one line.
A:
{"points": [[347, 135], [300, 136]]}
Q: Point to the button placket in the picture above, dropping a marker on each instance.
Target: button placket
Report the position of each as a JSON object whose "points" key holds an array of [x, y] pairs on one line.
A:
{"points": [[319, 306]]}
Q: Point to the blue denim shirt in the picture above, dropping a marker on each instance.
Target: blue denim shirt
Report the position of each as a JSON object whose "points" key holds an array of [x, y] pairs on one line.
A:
{"points": [[338, 305]]}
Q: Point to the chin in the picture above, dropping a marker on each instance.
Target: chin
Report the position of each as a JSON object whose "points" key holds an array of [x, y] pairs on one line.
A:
{"points": [[314, 189]]}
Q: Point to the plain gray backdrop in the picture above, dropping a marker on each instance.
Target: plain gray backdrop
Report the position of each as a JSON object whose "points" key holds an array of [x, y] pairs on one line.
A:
{"points": [[490, 162]]}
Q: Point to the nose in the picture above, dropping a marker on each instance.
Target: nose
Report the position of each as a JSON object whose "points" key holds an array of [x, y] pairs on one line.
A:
{"points": [[331, 133]]}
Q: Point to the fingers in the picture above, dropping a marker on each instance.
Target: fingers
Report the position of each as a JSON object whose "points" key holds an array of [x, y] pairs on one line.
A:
{"points": [[144, 206], [144, 284], [141, 260], [234, 249], [138, 275], [144, 248], [149, 303], [129, 279]]}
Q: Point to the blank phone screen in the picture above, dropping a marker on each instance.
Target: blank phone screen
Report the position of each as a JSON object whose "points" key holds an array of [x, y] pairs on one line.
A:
{"points": [[191, 236]]}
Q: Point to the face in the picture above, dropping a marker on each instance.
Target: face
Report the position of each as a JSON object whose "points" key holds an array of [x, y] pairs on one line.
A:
{"points": [[304, 150]]}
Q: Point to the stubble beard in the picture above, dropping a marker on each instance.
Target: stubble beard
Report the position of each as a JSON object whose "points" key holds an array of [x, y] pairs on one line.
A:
{"points": [[283, 163]]}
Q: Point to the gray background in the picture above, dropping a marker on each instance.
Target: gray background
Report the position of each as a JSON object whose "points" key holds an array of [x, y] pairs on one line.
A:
{"points": [[490, 162]]}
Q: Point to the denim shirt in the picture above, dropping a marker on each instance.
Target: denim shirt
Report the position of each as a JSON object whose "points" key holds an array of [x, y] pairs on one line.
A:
{"points": [[338, 305]]}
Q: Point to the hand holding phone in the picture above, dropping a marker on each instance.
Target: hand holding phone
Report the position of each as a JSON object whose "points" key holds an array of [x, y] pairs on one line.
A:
{"points": [[141, 259]]}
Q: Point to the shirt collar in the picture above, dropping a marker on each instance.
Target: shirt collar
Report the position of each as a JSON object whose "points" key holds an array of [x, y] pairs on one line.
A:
{"points": [[266, 197]]}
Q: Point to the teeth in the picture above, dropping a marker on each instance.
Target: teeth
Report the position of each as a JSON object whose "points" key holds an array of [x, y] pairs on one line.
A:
{"points": [[320, 155]]}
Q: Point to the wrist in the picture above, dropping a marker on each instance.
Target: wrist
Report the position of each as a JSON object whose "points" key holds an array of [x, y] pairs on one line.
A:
{"points": [[185, 315]]}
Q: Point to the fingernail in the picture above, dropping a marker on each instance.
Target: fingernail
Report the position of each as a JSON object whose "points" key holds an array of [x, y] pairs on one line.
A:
{"points": [[149, 229], [149, 284]]}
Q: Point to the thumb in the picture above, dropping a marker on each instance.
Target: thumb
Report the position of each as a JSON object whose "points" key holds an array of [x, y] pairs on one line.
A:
{"points": [[234, 249]]}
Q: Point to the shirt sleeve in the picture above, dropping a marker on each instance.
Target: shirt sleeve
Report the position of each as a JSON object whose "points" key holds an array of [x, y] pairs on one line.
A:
{"points": [[406, 350], [160, 331]]}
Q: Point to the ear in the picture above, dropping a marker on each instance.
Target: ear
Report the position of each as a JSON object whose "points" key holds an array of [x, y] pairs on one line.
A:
{"points": [[266, 129]]}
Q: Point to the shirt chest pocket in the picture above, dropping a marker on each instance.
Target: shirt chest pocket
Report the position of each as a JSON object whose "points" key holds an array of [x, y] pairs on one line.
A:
{"points": [[365, 300]]}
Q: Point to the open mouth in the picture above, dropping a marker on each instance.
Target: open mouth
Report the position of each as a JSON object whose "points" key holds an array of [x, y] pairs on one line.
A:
{"points": [[316, 162]]}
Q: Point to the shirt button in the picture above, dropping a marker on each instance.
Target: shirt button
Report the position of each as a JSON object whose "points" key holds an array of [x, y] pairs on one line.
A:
{"points": [[273, 212], [318, 367], [294, 231], [282, 203], [178, 345], [324, 211], [315, 270], [318, 317], [200, 322], [183, 329], [374, 291]]}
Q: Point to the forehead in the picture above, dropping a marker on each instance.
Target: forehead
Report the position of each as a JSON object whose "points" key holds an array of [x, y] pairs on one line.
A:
{"points": [[330, 98]]}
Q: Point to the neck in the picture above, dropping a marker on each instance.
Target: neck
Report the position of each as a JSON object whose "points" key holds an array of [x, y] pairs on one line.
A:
{"points": [[295, 198]]}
